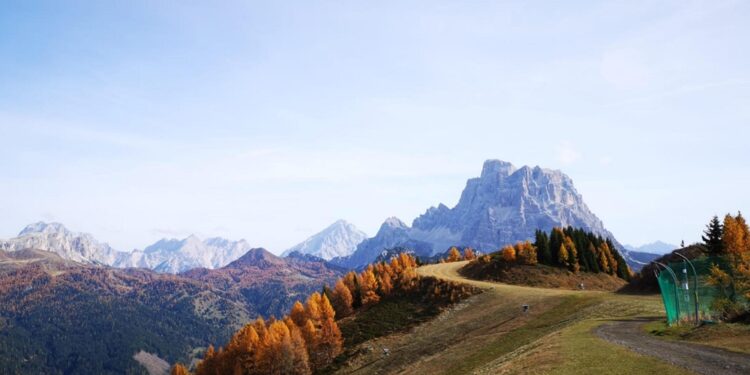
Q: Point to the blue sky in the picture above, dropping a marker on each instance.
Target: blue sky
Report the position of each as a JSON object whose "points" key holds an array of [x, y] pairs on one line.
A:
{"points": [[269, 120]]}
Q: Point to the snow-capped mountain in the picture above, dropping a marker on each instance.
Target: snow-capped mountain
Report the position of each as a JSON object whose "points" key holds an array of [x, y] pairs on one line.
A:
{"points": [[174, 256], [54, 237], [338, 240], [502, 206]]}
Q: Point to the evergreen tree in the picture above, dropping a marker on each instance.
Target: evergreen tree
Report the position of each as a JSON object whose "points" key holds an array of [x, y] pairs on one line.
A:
{"points": [[544, 256], [555, 241], [712, 236]]}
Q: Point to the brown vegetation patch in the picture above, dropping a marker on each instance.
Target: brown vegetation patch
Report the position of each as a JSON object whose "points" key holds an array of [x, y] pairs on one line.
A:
{"points": [[541, 276]]}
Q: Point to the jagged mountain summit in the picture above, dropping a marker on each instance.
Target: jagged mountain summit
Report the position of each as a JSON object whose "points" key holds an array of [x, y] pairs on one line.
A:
{"points": [[174, 256], [504, 205], [340, 239], [54, 237]]}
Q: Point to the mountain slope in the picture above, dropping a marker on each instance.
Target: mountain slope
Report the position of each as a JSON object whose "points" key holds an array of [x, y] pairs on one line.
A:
{"points": [[269, 283], [60, 316], [502, 206], [54, 237], [337, 240]]}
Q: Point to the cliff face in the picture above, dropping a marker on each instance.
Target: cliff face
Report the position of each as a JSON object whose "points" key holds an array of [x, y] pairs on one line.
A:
{"points": [[503, 205]]}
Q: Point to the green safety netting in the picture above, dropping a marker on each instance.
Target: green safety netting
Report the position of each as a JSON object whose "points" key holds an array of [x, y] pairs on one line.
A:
{"points": [[680, 289]]}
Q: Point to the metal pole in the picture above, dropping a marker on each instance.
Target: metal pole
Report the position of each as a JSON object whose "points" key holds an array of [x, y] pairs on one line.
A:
{"points": [[676, 291], [695, 286]]}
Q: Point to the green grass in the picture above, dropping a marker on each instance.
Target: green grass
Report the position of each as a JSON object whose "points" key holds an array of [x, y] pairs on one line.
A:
{"points": [[389, 316], [582, 352], [549, 321]]}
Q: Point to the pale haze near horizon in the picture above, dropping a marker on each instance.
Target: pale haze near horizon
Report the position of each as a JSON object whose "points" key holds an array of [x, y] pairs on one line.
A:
{"points": [[270, 120]]}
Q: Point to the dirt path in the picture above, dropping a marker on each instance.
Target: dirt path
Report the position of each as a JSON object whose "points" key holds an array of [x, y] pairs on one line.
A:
{"points": [[697, 358]]}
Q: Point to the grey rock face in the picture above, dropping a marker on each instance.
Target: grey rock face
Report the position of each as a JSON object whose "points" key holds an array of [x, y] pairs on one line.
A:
{"points": [[54, 237], [502, 206], [506, 205]]}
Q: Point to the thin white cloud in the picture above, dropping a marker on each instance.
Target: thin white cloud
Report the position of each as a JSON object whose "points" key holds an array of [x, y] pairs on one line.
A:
{"points": [[567, 154]]}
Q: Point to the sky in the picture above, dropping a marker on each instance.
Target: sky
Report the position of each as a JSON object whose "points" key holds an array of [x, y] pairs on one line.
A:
{"points": [[268, 121]]}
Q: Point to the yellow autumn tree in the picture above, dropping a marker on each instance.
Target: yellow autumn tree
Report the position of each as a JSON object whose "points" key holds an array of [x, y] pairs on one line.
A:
{"points": [[562, 255], [526, 253]]}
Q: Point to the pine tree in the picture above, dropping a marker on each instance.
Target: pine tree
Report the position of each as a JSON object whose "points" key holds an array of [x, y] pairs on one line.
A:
{"points": [[544, 256], [712, 236]]}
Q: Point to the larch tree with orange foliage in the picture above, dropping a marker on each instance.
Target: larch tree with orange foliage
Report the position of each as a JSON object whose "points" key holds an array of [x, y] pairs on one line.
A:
{"points": [[179, 369], [469, 254], [298, 313], [368, 285], [509, 254], [454, 255], [342, 300]]}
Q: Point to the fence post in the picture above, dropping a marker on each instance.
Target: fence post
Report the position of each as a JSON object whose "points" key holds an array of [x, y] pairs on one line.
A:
{"points": [[695, 286]]}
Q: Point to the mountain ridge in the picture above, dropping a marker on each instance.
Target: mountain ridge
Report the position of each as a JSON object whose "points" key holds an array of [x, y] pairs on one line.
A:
{"points": [[503, 205]]}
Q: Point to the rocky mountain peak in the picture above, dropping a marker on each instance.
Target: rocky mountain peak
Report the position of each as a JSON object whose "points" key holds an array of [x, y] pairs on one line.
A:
{"points": [[392, 223], [504, 205], [496, 168], [337, 240], [257, 257], [46, 228]]}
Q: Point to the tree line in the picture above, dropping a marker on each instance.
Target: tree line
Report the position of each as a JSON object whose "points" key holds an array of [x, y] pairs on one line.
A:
{"points": [[308, 339]]}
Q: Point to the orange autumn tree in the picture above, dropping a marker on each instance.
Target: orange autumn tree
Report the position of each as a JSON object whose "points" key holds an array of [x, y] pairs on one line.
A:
{"points": [[179, 369], [368, 285], [454, 255], [469, 254], [509, 254], [342, 299]]}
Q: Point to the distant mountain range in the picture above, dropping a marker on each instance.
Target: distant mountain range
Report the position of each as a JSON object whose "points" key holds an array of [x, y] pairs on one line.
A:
{"points": [[340, 239], [657, 247], [173, 255], [503, 205], [166, 255]]}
